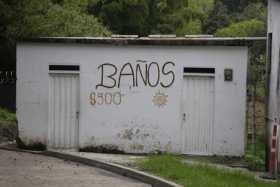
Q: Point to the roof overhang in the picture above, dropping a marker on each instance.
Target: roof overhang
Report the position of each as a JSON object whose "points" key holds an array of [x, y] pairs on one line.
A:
{"points": [[177, 41]]}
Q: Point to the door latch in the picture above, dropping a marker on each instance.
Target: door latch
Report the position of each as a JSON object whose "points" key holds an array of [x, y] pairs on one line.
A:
{"points": [[77, 114], [184, 116]]}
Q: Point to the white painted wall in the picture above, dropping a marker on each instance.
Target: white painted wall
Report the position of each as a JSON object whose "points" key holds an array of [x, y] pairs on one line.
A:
{"points": [[136, 125], [274, 28]]}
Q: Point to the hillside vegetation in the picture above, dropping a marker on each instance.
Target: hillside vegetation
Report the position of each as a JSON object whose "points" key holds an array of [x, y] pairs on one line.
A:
{"points": [[33, 18]]}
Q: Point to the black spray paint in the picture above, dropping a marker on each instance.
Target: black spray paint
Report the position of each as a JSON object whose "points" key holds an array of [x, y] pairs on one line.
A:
{"points": [[149, 74]]}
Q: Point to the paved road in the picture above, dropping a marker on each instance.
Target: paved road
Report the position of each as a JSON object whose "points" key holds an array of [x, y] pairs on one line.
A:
{"points": [[28, 170]]}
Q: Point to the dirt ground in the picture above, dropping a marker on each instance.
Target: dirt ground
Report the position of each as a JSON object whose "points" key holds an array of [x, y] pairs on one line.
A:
{"points": [[27, 170]]}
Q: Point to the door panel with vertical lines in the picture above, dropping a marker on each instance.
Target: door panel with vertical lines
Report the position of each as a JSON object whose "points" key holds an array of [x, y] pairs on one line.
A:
{"points": [[198, 102], [63, 111]]}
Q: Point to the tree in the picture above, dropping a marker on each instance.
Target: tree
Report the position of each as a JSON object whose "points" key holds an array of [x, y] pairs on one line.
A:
{"points": [[255, 11], [43, 18], [191, 27], [248, 28], [204, 7], [145, 17], [232, 5], [218, 18], [187, 18], [33, 18], [121, 16]]}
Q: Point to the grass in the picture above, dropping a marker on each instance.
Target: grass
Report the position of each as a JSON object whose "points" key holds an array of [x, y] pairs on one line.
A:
{"points": [[8, 127], [6, 115], [193, 175], [256, 158], [8, 132]]}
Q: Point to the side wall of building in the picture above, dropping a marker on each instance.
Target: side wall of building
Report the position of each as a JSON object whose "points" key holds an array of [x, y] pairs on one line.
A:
{"points": [[274, 28], [136, 123]]}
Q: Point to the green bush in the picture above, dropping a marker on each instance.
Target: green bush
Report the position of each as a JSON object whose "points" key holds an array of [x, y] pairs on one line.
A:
{"points": [[5, 115], [255, 155], [246, 28], [8, 126]]}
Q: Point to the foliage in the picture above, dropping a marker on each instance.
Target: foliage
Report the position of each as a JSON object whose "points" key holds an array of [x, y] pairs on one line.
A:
{"points": [[191, 27], [202, 6], [33, 18], [239, 5], [173, 168], [5, 115], [8, 127], [229, 12], [198, 11], [43, 18], [121, 16], [218, 18], [254, 11], [256, 159], [251, 27], [152, 16], [257, 69], [59, 21]]}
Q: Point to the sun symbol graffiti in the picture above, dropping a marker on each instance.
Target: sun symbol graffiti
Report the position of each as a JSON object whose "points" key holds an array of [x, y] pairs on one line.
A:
{"points": [[160, 99]]}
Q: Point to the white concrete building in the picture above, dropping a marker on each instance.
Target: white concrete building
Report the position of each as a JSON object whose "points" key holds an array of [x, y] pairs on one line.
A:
{"points": [[274, 37], [137, 95]]}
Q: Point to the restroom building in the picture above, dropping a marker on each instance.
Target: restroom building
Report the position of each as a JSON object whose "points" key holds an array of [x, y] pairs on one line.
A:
{"points": [[136, 95]]}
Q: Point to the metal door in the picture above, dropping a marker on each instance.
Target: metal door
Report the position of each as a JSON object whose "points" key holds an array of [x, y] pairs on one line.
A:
{"points": [[198, 116], [63, 111]]}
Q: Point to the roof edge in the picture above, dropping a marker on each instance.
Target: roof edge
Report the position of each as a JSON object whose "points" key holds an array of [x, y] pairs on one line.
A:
{"points": [[178, 41]]}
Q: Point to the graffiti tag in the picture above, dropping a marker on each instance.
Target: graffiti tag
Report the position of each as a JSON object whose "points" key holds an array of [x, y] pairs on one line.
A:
{"points": [[107, 98], [150, 74]]}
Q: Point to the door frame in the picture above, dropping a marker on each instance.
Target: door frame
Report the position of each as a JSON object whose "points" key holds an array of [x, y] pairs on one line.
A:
{"points": [[183, 123], [65, 72]]}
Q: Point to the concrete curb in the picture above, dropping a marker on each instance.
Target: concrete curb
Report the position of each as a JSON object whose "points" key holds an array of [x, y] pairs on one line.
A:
{"points": [[20, 150], [115, 168]]}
